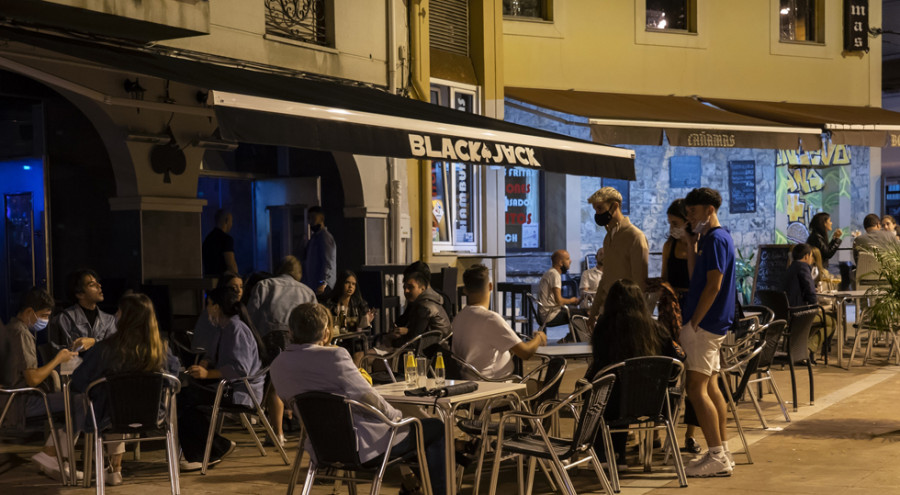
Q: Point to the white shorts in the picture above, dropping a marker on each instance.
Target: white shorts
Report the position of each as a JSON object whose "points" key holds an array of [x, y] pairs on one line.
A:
{"points": [[701, 348]]}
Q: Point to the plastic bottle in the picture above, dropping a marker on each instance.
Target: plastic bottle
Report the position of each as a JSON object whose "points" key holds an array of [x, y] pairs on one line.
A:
{"points": [[440, 372], [410, 370]]}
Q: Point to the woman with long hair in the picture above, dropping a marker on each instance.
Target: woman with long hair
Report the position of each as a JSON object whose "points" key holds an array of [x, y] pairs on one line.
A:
{"points": [[625, 330], [135, 347], [346, 304], [819, 227], [675, 250], [237, 356]]}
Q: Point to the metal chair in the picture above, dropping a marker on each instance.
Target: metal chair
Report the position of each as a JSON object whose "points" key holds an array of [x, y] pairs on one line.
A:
{"points": [[536, 308], [797, 347], [136, 404], [327, 422], [742, 363], [218, 408], [771, 336], [536, 444], [645, 411], [16, 392], [766, 316]]}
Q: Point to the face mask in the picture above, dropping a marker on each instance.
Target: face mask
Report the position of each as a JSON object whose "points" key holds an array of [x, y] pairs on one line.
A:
{"points": [[677, 232], [315, 228], [40, 324], [563, 269], [814, 272], [602, 219], [700, 226]]}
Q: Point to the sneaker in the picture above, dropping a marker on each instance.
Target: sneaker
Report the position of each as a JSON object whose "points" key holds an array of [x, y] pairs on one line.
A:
{"points": [[730, 458], [114, 479], [230, 450], [50, 467], [691, 446], [185, 466], [270, 443], [708, 466]]}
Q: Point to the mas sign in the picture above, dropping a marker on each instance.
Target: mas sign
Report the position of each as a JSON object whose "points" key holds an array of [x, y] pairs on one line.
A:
{"points": [[856, 25]]}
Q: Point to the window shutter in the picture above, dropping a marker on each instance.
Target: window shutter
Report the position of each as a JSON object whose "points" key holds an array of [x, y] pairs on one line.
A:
{"points": [[449, 26]]}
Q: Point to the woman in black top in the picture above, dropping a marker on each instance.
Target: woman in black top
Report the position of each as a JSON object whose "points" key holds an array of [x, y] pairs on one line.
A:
{"points": [[350, 311], [675, 250], [625, 330], [819, 227]]}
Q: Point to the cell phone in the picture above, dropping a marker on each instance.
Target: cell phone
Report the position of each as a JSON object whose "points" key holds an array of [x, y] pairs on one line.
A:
{"points": [[78, 349]]}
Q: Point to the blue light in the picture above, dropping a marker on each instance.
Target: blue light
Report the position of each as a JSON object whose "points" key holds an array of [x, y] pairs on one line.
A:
{"points": [[26, 167]]}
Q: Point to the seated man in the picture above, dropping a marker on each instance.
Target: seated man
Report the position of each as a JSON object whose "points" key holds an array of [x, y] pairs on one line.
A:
{"points": [[82, 324], [21, 370], [873, 238], [801, 291], [590, 280], [424, 311], [550, 296], [482, 337], [307, 365]]}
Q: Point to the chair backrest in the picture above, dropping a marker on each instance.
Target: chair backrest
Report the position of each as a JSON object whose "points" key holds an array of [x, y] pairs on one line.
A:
{"points": [[592, 411], [652, 375], [776, 300], [766, 316], [798, 332], [132, 401], [328, 423], [428, 339], [867, 270], [553, 374], [771, 335], [749, 361], [535, 307]]}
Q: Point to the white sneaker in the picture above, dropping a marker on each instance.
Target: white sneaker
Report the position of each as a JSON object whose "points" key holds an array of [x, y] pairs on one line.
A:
{"points": [[708, 466], [730, 459], [114, 478], [50, 467]]}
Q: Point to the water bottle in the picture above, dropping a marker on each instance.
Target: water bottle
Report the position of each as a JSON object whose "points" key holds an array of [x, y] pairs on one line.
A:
{"points": [[411, 375], [440, 373]]}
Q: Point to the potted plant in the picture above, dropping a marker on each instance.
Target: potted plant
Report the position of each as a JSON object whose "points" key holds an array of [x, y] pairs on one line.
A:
{"points": [[883, 314]]}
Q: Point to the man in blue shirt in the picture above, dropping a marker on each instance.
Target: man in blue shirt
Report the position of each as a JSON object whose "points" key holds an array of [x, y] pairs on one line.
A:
{"points": [[708, 314]]}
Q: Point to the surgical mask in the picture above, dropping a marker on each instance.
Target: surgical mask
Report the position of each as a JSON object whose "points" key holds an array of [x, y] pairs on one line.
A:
{"points": [[677, 232], [40, 324], [602, 219], [814, 271], [700, 227]]}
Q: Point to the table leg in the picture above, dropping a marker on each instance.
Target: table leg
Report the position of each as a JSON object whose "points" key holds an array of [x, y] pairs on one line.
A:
{"points": [[70, 441], [842, 329], [449, 450]]}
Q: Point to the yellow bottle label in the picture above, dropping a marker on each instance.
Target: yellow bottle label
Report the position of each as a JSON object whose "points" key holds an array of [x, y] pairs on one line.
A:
{"points": [[410, 360], [440, 362]]}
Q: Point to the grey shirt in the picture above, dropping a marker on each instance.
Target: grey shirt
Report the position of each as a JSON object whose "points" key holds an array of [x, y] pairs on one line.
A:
{"points": [[72, 324], [873, 239], [21, 354], [273, 299]]}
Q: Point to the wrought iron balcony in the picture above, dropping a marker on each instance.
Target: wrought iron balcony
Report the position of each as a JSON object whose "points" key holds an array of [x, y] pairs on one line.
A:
{"points": [[300, 20]]}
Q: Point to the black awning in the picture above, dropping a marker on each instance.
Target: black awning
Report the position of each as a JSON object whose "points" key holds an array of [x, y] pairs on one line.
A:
{"points": [[269, 108]]}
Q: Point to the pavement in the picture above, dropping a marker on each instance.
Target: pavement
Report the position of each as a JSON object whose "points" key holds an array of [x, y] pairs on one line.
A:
{"points": [[847, 443]]}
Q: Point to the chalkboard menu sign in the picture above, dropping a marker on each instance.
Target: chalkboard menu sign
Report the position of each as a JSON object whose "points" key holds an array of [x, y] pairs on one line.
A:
{"points": [[622, 186], [684, 172], [771, 267], [742, 186]]}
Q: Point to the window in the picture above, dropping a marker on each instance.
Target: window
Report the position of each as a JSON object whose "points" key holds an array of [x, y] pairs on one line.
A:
{"points": [[306, 21], [455, 187], [800, 20], [523, 209], [672, 15], [538, 9]]}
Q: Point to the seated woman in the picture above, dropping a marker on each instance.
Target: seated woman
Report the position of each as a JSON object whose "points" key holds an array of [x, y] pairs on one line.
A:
{"points": [[308, 364], [205, 341], [350, 311], [821, 276], [625, 330], [135, 347], [801, 291], [237, 356]]}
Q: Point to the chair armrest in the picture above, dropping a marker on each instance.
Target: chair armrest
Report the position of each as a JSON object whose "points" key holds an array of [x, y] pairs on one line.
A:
{"points": [[21, 390], [547, 384], [471, 369], [555, 409], [377, 413]]}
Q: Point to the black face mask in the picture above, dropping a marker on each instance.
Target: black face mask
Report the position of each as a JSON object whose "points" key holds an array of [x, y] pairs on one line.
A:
{"points": [[563, 270], [602, 219], [315, 228]]}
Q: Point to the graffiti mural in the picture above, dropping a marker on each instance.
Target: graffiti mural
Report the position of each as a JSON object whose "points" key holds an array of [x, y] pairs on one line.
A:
{"points": [[807, 183]]}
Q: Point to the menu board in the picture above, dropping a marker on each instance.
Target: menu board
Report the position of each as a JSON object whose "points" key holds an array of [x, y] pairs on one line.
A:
{"points": [[772, 262], [742, 186], [622, 186], [684, 172]]}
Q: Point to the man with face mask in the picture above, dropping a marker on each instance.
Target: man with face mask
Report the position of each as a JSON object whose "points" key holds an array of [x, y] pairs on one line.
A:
{"points": [[626, 255], [21, 369], [708, 314], [320, 268], [550, 291]]}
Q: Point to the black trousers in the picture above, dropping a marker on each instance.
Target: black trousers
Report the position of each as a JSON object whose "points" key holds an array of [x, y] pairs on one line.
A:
{"points": [[193, 424]]}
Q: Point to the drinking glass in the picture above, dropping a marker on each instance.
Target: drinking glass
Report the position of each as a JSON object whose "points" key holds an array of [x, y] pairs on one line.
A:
{"points": [[421, 371]]}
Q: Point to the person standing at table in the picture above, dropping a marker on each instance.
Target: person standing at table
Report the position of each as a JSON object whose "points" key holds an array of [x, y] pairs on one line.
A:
{"points": [[819, 227], [22, 370], [625, 251], [482, 337], [270, 306], [135, 348], [708, 314], [218, 247], [874, 238], [320, 269], [83, 324]]}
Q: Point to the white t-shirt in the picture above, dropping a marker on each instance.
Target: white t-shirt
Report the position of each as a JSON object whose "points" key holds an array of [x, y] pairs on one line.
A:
{"points": [[483, 339], [549, 281], [590, 280]]}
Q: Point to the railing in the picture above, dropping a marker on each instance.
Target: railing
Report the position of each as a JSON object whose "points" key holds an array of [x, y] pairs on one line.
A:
{"points": [[300, 20]]}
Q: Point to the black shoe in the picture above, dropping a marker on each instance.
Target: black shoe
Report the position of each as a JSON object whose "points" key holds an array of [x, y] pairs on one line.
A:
{"points": [[691, 446]]}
